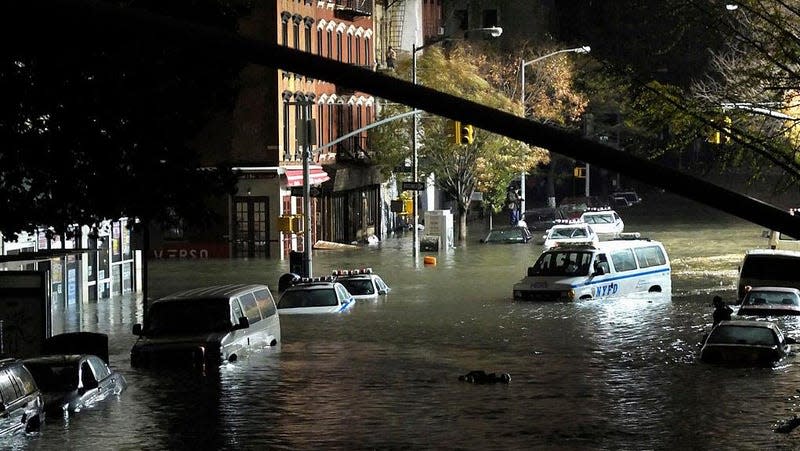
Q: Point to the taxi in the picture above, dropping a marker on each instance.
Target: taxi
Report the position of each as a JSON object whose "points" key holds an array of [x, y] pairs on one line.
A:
{"points": [[315, 295], [361, 283], [569, 233]]}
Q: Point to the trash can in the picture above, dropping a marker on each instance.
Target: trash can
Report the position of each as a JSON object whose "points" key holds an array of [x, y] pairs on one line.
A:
{"points": [[297, 264]]}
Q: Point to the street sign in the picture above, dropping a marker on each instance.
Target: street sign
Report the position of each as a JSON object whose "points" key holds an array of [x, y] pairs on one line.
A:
{"points": [[297, 191], [413, 186]]}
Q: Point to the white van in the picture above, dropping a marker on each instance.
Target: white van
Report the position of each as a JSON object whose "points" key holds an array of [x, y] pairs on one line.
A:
{"points": [[607, 269], [769, 267], [204, 327]]}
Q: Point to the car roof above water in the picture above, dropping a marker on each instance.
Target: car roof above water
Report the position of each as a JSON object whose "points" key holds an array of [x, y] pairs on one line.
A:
{"points": [[214, 292]]}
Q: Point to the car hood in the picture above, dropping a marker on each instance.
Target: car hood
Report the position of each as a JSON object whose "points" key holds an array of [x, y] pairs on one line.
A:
{"points": [[181, 340]]}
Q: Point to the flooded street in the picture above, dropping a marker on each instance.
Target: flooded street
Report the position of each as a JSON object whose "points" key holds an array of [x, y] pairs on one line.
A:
{"points": [[617, 374]]}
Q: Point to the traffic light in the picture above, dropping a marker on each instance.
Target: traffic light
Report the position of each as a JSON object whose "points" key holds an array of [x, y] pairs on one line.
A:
{"points": [[463, 133]]}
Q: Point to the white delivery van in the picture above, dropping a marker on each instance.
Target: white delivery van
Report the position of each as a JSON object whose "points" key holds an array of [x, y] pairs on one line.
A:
{"points": [[607, 269], [769, 268]]}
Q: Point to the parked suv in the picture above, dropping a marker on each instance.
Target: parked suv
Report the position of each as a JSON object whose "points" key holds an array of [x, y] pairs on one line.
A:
{"points": [[204, 327], [21, 402]]}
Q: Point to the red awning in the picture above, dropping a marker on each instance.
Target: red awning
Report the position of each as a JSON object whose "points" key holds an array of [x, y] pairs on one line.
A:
{"points": [[316, 175]]}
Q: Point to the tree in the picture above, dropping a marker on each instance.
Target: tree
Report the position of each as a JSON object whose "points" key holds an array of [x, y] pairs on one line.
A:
{"points": [[754, 80], [101, 129], [490, 162]]}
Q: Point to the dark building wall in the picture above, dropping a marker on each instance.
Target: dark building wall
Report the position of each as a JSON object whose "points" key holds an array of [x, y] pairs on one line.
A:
{"points": [[520, 19]]}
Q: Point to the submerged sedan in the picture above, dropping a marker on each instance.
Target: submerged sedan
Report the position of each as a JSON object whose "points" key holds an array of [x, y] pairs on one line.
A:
{"points": [[744, 342], [72, 382], [362, 283], [508, 235], [320, 296], [771, 301]]}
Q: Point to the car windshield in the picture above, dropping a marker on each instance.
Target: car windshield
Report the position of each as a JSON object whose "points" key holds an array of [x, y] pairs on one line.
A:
{"points": [[569, 232], [505, 236], [730, 334], [321, 297], [358, 287], [599, 219], [540, 215], [54, 377], [771, 298], [189, 316], [563, 263]]}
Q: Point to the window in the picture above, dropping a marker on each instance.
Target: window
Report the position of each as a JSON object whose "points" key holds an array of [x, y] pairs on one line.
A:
{"points": [[489, 18], [330, 44], [623, 260], [349, 48], [358, 50], [265, 302], [296, 19], [250, 307], [307, 32], [285, 16], [236, 311], [367, 52], [99, 367], [319, 41], [338, 46], [650, 256], [460, 18]]}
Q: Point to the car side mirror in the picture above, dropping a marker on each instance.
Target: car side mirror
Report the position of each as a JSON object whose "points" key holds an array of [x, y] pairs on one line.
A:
{"points": [[483, 240], [244, 323], [383, 291], [791, 340], [137, 329], [599, 271]]}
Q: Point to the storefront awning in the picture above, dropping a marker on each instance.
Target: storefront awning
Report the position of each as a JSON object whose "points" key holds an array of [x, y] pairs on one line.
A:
{"points": [[294, 176]]}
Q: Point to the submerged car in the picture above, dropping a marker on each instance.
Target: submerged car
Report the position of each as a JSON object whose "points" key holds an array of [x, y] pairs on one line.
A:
{"points": [[746, 342], [570, 233], [604, 221], [72, 382], [21, 401], [541, 219], [508, 235], [362, 283], [770, 301], [202, 328], [317, 295]]}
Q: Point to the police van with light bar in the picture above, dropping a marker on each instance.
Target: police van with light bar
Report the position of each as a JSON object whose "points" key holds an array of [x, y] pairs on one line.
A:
{"points": [[608, 269]]}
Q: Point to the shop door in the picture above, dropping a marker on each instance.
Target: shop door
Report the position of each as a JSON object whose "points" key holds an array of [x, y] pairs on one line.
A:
{"points": [[250, 229]]}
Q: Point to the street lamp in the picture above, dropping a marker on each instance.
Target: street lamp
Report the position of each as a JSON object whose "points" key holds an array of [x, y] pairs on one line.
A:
{"points": [[491, 31], [523, 63]]}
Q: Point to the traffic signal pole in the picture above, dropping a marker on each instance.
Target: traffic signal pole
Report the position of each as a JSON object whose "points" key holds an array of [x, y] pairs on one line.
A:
{"points": [[305, 116]]}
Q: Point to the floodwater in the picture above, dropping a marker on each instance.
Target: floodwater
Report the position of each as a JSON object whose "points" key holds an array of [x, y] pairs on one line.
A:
{"points": [[585, 375]]}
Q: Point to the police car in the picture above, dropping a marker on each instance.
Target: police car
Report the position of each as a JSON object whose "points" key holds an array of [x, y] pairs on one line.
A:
{"points": [[569, 232], [604, 221], [608, 269], [361, 283], [315, 295]]}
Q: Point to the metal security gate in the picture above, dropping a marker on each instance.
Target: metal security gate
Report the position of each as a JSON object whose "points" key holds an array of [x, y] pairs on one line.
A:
{"points": [[353, 214], [250, 227]]}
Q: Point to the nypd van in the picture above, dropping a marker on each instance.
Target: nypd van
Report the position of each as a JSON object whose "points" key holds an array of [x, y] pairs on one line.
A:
{"points": [[608, 269]]}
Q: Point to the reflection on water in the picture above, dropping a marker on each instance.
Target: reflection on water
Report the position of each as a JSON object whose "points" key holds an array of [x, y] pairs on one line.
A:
{"points": [[617, 374]]}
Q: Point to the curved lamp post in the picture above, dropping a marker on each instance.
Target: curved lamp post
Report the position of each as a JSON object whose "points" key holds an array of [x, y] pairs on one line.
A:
{"points": [[491, 31], [523, 63]]}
